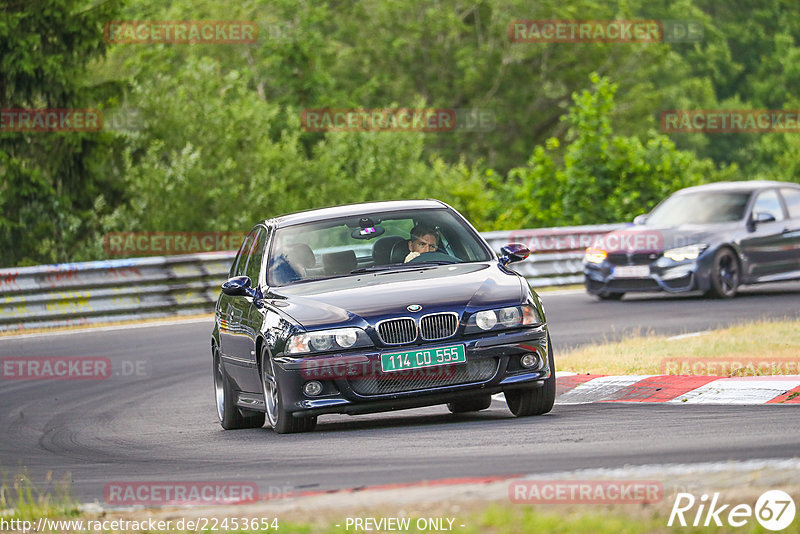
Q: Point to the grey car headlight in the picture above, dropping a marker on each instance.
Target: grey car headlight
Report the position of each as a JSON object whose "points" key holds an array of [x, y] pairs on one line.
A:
{"points": [[327, 340], [502, 318], [689, 252]]}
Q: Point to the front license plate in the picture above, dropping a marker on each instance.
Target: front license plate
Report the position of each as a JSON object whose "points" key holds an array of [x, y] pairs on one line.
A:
{"points": [[414, 359], [632, 271]]}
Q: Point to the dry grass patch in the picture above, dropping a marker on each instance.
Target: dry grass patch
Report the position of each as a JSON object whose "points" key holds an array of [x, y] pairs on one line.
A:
{"points": [[769, 347]]}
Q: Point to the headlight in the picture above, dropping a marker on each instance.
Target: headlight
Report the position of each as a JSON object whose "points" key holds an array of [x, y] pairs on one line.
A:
{"points": [[690, 252], [327, 340], [511, 317], [595, 255], [486, 319]]}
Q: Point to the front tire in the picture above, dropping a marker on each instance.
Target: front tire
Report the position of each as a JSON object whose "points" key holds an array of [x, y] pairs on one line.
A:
{"points": [[724, 274], [538, 401], [470, 405], [278, 418], [229, 415]]}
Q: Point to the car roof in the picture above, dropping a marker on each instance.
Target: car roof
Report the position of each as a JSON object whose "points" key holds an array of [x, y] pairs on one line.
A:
{"points": [[744, 186], [351, 210]]}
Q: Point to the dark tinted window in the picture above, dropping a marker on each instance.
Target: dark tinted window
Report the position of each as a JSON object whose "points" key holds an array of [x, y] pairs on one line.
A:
{"points": [[792, 199], [335, 247], [256, 255], [769, 202], [700, 208], [239, 262]]}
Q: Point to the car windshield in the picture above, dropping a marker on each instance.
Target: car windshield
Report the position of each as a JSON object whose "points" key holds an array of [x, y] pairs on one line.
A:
{"points": [[700, 208], [371, 242]]}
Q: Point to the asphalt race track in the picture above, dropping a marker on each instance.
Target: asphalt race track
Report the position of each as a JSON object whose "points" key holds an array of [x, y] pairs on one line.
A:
{"points": [[160, 423]]}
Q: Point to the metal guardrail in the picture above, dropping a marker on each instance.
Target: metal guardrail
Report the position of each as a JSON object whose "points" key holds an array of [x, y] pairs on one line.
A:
{"points": [[117, 290]]}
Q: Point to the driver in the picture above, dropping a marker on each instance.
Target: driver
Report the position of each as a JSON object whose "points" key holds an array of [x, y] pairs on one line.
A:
{"points": [[423, 239]]}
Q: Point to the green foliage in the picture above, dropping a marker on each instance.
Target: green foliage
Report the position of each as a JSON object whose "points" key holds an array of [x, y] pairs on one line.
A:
{"points": [[52, 185], [603, 177]]}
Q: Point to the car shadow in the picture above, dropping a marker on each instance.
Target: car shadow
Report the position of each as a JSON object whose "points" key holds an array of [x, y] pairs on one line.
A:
{"points": [[409, 421], [788, 289]]}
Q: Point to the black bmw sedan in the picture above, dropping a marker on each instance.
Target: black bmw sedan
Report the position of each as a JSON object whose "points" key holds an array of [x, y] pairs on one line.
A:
{"points": [[375, 307], [711, 238]]}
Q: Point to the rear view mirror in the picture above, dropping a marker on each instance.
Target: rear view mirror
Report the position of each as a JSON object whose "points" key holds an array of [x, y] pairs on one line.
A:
{"points": [[763, 217], [640, 219], [514, 252], [238, 286]]}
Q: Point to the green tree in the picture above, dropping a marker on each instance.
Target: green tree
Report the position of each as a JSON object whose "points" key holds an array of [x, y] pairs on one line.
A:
{"points": [[52, 185], [603, 177]]}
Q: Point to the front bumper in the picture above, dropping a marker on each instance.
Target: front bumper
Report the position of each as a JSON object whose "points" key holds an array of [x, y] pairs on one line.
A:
{"points": [[663, 275], [354, 383]]}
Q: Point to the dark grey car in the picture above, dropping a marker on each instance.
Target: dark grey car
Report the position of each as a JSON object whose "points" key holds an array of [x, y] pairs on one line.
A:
{"points": [[711, 238]]}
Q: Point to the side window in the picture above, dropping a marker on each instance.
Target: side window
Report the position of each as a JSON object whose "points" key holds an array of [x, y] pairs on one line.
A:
{"points": [[792, 199], [768, 202], [237, 268], [256, 255]]}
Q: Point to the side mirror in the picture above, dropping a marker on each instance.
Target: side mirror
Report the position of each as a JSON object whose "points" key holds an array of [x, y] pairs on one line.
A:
{"points": [[640, 219], [514, 252], [238, 286], [763, 217]]}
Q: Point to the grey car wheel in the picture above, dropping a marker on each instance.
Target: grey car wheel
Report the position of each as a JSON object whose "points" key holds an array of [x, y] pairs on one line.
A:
{"points": [[230, 416], [281, 421]]}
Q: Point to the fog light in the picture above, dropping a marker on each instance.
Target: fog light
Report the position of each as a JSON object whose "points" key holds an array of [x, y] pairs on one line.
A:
{"points": [[530, 361], [312, 388]]}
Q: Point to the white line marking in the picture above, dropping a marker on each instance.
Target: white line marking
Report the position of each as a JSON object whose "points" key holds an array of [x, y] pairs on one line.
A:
{"points": [[601, 388], [737, 391], [692, 334]]}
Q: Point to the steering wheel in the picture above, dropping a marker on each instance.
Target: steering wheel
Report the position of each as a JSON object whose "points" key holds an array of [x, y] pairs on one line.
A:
{"points": [[435, 256]]}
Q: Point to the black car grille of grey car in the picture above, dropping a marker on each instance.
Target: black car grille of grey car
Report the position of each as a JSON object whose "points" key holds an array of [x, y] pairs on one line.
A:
{"points": [[638, 258], [426, 377], [432, 327], [633, 284]]}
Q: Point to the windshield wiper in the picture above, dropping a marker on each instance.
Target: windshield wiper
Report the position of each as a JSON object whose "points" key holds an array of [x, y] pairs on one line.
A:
{"points": [[433, 262], [395, 266]]}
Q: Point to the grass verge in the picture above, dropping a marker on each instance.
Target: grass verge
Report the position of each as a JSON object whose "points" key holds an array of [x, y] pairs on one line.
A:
{"points": [[21, 499], [769, 347]]}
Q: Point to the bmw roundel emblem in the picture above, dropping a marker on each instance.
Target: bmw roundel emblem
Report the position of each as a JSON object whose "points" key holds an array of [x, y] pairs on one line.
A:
{"points": [[413, 307]]}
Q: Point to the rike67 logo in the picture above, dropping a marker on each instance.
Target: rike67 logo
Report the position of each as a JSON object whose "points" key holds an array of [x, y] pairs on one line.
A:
{"points": [[774, 510]]}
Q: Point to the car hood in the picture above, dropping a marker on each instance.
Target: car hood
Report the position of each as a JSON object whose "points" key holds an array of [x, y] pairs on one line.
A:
{"points": [[661, 238], [375, 296]]}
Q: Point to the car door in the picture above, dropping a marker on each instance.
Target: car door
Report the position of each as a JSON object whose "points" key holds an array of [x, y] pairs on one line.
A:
{"points": [[791, 235], [246, 372], [763, 245], [230, 309]]}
